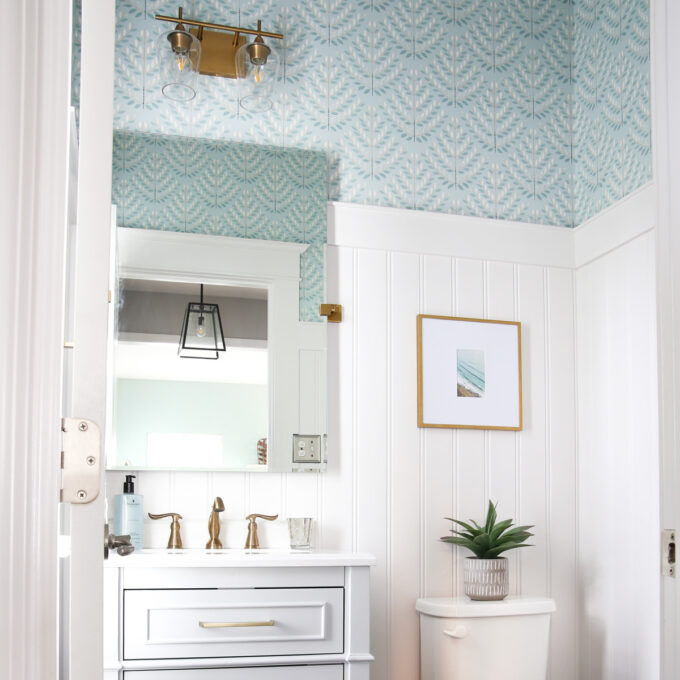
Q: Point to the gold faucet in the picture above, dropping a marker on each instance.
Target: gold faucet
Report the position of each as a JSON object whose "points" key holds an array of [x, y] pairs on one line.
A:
{"points": [[214, 525], [175, 540], [252, 541]]}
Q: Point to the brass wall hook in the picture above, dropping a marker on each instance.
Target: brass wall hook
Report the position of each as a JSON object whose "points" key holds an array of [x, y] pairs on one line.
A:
{"points": [[333, 312]]}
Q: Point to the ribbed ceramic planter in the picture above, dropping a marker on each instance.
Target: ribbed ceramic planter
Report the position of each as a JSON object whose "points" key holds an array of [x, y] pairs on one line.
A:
{"points": [[486, 579]]}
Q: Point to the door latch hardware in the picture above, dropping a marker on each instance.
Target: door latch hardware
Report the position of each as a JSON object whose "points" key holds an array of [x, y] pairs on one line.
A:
{"points": [[668, 552], [80, 460], [121, 544]]}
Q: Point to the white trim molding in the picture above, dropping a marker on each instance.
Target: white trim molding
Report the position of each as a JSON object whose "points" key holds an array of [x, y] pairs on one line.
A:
{"points": [[34, 137], [627, 219], [170, 255], [428, 233], [415, 231], [665, 112]]}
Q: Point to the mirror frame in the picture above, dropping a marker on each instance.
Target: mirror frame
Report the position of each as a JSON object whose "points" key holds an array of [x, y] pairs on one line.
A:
{"points": [[274, 265]]}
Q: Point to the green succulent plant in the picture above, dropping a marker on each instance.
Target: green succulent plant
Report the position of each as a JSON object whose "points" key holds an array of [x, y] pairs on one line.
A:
{"points": [[492, 539]]}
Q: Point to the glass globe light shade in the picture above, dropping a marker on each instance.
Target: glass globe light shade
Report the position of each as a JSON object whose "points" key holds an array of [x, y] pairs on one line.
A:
{"points": [[179, 55], [257, 67]]}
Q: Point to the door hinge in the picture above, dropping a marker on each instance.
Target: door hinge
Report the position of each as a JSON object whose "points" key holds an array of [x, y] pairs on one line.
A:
{"points": [[80, 460], [668, 552]]}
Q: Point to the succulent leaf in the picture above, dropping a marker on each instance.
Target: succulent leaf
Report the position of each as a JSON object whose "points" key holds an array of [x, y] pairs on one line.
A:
{"points": [[490, 517], [465, 525], [500, 528], [492, 539]]}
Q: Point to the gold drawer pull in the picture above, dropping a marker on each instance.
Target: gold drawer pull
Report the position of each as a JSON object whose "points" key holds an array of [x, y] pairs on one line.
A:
{"points": [[235, 624]]}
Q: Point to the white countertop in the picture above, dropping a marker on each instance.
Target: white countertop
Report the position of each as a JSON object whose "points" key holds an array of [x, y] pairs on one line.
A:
{"points": [[163, 557]]}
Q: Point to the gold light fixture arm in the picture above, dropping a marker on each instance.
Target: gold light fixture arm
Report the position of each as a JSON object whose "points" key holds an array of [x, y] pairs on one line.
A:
{"points": [[217, 27]]}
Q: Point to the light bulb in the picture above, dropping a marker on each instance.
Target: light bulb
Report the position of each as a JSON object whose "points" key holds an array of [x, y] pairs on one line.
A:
{"points": [[200, 331], [258, 72], [182, 60]]}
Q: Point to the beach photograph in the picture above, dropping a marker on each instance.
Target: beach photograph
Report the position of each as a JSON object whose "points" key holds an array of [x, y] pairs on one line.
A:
{"points": [[470, 372]]}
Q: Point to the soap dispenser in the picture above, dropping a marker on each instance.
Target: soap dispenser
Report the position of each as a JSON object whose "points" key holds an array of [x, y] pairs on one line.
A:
{"points": [[128, 513]]}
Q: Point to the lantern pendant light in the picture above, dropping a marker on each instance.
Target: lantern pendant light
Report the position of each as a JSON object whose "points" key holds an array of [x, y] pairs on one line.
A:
{"points": [[201, 336]]}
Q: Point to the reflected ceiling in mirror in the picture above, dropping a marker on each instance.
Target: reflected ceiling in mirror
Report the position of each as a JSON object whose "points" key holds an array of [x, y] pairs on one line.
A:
{"points": [[175, 412]]}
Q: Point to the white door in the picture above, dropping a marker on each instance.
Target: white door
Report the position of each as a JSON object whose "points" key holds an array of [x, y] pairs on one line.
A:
{"points": [[666, 113], [86, 366]]}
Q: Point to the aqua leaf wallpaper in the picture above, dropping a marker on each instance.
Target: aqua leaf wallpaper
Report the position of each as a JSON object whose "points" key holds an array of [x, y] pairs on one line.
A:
{"points": [[531, 110], [612, 134], [209, 186]]}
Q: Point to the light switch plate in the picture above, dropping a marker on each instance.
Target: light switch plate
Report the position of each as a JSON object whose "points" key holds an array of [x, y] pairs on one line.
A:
{"points": [[307, 448]]}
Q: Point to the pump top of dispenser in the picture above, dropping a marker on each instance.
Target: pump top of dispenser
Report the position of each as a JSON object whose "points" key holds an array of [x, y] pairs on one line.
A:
{"points": [[129, 485]]}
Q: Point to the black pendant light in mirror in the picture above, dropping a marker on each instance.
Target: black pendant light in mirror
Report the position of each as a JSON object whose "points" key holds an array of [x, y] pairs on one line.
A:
{"points": [[202, 336]]}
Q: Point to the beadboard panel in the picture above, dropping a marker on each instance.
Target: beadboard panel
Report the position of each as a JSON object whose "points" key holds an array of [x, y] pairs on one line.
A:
{"points": [[618, 464], [390, 484], [405, 480]]}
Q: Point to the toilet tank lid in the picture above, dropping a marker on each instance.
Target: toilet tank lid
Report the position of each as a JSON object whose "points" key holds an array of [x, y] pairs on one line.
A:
{"points": [[463, 608]]}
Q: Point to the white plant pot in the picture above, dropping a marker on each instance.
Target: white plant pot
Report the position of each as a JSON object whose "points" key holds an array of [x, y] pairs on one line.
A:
{"points": [[486, 579]]}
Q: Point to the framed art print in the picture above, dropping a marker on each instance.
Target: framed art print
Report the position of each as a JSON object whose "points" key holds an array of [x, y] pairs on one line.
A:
{"points": [[469, 373]]}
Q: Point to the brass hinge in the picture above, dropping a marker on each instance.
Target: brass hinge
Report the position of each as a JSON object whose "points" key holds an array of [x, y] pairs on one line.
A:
{"points": [[332, 312], [80, 460]]}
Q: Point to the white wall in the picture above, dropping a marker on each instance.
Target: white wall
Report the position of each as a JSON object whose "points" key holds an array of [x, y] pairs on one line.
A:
{"points": [[390, 484], [618, 556], [400, 481]]}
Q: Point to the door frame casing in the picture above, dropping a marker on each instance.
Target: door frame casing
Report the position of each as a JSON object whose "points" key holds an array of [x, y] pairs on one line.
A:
{"points": [[91, 316], [34, 136], [665, 111]]}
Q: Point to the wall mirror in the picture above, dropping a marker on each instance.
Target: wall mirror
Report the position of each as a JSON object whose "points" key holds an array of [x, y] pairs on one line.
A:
{"points": [[241, 410]]}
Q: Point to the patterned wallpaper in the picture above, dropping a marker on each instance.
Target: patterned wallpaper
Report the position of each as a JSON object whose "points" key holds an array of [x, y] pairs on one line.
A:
{"points": [[460, 106], [228, 189], [612, 136], [518, 109]]}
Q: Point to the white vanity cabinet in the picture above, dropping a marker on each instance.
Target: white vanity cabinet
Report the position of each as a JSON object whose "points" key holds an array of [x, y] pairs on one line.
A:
{"points": [[235, 615]]}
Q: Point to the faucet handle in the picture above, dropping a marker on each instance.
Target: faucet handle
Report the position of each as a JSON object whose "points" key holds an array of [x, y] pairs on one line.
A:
{"points": [[175, 540], [252, 542]]}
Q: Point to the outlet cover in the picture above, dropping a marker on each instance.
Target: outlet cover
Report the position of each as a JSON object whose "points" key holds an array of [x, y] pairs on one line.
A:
{"points": [[306, 448]]}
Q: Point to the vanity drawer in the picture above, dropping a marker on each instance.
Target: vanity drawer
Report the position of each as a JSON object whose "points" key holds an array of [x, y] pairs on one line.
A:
{"points": [[196, 623], [333, 672]]}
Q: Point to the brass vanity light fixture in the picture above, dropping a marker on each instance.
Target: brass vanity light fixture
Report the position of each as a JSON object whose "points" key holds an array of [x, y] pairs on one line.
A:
{"points": [[201, 336], [218, 50]]}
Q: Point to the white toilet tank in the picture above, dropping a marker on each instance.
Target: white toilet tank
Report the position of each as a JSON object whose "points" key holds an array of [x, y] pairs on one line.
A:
{"points": [[465, 640]]}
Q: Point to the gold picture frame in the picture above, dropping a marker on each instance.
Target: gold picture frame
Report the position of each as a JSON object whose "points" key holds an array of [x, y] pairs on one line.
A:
{"points": [[469, 373]]}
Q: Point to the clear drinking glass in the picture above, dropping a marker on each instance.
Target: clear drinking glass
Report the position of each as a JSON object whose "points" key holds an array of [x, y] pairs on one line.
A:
{"points": [[300, 529]]}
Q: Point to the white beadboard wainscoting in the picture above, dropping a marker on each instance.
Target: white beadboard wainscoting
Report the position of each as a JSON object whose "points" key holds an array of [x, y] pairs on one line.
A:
{"points": [[618, 558], [390, 484], [394, 483]]}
